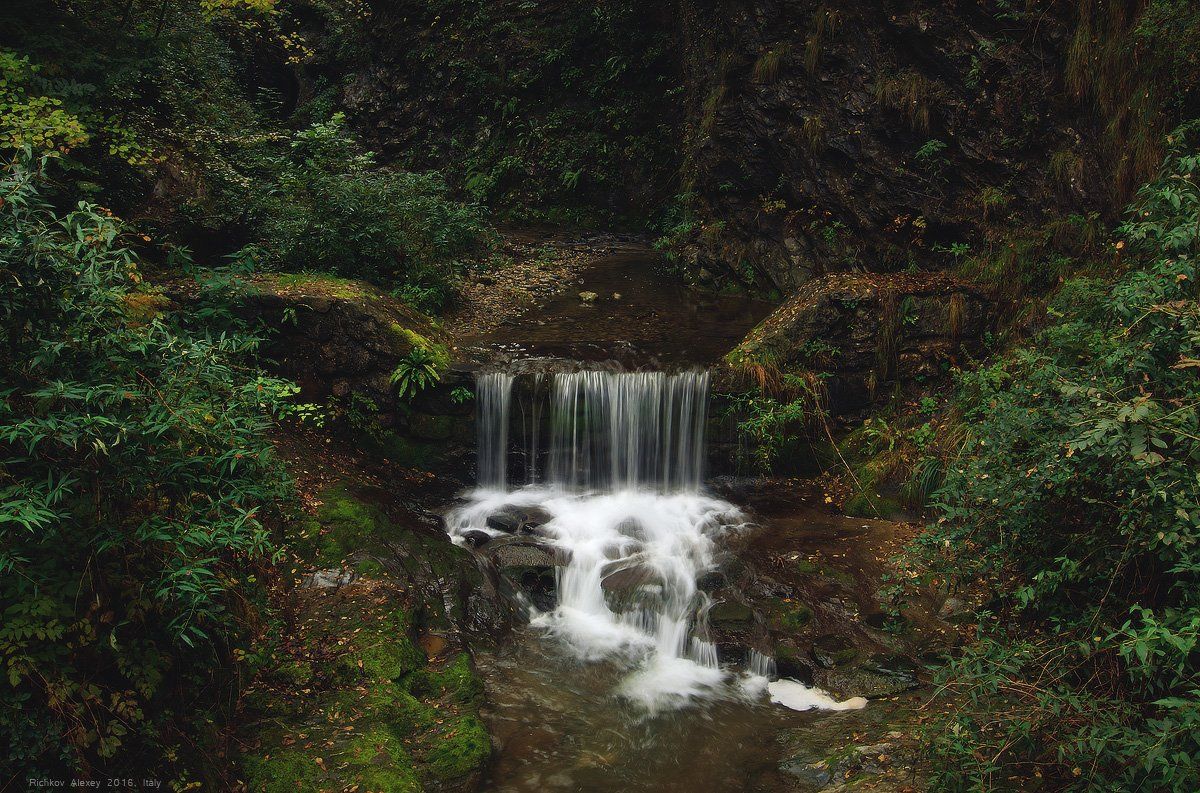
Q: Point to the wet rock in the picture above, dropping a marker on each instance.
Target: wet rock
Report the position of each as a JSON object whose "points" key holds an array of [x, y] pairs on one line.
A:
{"points": [[813, 774], [831, 650], [863, 682], [624, 577], [522, 554], [476, 538], [632, 527], [517, 520], [730, 614], [711, 581]]}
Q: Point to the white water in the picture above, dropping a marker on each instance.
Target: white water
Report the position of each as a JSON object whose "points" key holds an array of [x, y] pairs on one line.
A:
{"points": [[622, 490]]}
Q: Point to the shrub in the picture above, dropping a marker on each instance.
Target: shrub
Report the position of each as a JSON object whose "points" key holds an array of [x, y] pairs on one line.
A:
{"points": [[1076, 507], [333, 209], [135, 483]]}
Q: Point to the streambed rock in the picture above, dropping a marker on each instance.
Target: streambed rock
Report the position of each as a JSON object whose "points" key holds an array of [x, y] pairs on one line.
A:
{"points": [[524, 554], [518, 520]]}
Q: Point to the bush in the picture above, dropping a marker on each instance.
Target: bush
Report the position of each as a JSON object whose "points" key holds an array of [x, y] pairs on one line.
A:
{"points": [[134, 486], [1076, 507], [334, 210]]}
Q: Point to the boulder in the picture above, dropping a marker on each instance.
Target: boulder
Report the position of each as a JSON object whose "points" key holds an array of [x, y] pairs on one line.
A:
{"points": [[476, 538], [833, 650], [517, 520]]}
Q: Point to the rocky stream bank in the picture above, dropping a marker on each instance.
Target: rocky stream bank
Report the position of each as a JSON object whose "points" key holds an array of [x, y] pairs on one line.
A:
{"points": [[405, 662]]}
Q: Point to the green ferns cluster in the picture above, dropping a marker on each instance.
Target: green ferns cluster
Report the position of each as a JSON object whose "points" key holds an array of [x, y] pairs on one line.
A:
{"points": [[1075, 507]]}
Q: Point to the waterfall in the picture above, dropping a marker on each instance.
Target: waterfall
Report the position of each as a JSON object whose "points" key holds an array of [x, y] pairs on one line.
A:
{"points": [[493, 394], [629, 430], [620, 482]]}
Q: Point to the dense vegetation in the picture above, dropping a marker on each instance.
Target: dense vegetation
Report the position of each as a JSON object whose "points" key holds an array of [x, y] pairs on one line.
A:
{"points": [[137, 486], [200, 143], [1074, 507]]}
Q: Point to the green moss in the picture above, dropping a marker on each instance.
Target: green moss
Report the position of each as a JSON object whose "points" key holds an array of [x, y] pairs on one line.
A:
{"points": [[382, 650], [321, 283], [460, 749], [294, 673], [370, 568], [788, 616], [374, 761], [440, 353], [379, 762], [457, 681], [285, 772], [348, 524]]}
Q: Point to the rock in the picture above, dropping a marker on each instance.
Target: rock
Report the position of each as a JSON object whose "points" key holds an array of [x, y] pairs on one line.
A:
{"points": [[812, 774], [588, 297], [632, 527], [864, 682], [730, 614], [476, 538], [954, 611], [866, 329], [516, 520], [711, 581], [524, 554], [832, 650], [624, 576], [331, 578]]}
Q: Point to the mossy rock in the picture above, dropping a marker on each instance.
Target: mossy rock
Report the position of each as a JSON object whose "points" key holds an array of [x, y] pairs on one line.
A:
{"points": [[462, 748], [730, 614], [345, 524], [381, 650], [786, 616], [457, 681], [374, 761]]}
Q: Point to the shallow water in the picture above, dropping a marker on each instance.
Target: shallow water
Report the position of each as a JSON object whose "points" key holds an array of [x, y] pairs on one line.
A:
{"points": [[618, 686], [657, 322], [560, 726]]}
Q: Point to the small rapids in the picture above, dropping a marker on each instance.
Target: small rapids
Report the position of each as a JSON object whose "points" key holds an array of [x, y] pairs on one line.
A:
{"points": [[618, 486]]}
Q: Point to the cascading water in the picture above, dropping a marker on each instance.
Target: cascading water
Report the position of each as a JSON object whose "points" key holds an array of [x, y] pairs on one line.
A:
{"points": [[619, 489], [622, 492]]}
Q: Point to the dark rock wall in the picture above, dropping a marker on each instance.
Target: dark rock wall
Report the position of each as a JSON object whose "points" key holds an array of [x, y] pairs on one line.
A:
{"points": [[827, 136]]}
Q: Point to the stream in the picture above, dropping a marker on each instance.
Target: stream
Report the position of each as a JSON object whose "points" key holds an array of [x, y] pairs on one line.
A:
{"points": [[592, 495]]}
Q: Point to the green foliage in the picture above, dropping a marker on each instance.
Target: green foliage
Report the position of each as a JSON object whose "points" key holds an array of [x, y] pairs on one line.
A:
{"points": [[417, 371], [35, 122], [1076, 506], [332, 206], [136, 479], [775, 415]]}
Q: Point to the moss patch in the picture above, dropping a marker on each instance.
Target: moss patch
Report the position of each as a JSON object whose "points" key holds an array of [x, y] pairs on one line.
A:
{"points": [[344, 523], [361, 697], [459, 750], [785, 615], [319, 284]]}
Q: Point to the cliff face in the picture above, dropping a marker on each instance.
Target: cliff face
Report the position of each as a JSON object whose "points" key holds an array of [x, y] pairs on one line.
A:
{"points": [[776, 140], [559, 110], [835, 136]]}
